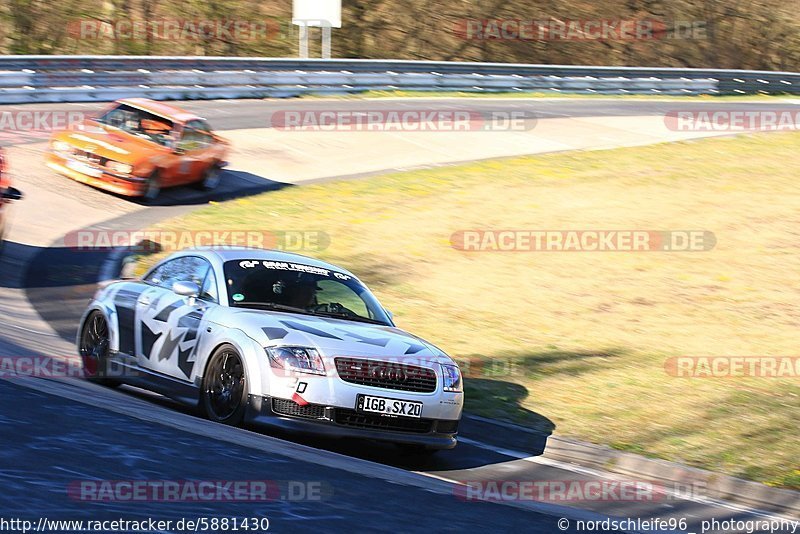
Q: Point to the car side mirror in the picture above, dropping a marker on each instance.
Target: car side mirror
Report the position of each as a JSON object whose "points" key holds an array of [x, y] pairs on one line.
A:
{"points": [[186, 289], [12, 193]]}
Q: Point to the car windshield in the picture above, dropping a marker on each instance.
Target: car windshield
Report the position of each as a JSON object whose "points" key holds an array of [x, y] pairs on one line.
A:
{"points": [[299, 288], [139, 123]]}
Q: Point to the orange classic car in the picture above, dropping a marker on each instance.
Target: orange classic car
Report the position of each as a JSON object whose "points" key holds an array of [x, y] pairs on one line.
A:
{"points": [[138, 146], [7, 194]]}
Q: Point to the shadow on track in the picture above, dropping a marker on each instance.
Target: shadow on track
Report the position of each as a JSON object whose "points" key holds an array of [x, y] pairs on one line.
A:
{"points": [[234, 184], [59, 280], [464, 456]]}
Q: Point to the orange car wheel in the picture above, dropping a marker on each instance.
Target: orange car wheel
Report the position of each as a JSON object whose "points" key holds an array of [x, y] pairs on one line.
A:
{"points": [[211, 178], [153, 188]]}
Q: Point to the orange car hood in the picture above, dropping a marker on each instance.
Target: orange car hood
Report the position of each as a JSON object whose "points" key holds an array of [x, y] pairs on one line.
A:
{"points": [[111, 143]]}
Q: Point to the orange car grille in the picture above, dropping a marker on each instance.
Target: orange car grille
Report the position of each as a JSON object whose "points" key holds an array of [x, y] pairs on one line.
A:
{"points": [[88, 157]]}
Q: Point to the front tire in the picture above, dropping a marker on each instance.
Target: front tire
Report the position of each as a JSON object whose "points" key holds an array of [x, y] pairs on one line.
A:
{"points": [[153, 188], [93, 349], [224, 395]]}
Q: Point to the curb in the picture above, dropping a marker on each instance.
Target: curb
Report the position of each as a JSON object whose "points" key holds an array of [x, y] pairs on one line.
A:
{"points": [[600, 457]]}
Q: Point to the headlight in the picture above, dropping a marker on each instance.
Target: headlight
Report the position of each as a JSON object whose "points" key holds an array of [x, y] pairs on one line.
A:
{"points": [[452, 378], [303, 359], [121, 168], [60, 146]]}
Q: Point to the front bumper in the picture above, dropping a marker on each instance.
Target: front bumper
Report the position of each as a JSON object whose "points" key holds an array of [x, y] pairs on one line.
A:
{"points": [[130, 186], [336, 422]]}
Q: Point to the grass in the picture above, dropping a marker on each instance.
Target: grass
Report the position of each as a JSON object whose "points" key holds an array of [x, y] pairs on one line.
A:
{"points": [[575, 340]]}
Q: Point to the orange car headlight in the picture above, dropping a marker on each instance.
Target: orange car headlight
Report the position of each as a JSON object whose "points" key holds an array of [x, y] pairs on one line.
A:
{"points": [[60, 146], [120, 168]]}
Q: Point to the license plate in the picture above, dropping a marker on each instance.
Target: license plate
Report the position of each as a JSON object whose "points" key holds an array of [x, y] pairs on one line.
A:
{"points": [[394, 407], [84, 169]]}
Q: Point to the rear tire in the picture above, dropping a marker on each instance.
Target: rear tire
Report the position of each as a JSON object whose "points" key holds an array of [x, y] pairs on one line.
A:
{"points": [[93, 349], [211, 178], [224, 394]]}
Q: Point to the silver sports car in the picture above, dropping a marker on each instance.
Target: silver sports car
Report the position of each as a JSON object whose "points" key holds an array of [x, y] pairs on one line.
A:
{"points": [[268, 337]]}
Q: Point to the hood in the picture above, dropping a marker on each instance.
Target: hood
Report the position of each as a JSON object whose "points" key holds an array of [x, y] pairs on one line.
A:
{"points": [[335, 337], [110, 143]]}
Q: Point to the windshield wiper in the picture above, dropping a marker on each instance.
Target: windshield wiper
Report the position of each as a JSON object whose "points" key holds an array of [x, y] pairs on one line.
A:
{"points": [[293, 309], [344, 315], [269, 306]]}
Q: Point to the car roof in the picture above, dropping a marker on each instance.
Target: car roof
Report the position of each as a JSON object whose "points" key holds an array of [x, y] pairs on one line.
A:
{"points": [[231, 253], [161, 108]]}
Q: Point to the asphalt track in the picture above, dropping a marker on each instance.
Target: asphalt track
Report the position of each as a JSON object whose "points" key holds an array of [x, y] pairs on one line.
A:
{"points": [[243, 114], [59, 431]]}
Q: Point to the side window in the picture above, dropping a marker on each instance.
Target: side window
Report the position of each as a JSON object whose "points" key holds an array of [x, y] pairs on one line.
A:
{"points": [[184, 269], [209, 290], [194, 139], [332, 292], [154, 277], [199, 125]]}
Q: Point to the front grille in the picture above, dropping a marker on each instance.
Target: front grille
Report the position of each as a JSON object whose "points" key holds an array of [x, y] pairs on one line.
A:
{"points": [[89, 157], [352, 418], [291, 408], [388, 375]]}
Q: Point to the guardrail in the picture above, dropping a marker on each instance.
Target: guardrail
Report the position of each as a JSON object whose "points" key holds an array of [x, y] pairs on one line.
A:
{"points": [[25, 79]]}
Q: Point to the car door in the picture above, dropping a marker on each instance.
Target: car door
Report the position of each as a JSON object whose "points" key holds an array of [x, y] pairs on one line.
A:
{"points": [[167, 324], [195, 146]]}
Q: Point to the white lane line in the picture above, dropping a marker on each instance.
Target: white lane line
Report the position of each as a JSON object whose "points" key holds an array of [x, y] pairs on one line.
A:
{"points": [[31, 331], [602, 474], [554, 510]]}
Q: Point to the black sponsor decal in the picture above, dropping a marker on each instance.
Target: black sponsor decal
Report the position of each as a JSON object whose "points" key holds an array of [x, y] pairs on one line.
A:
{"points": [[183, 361], [164, 314], [149, 339], [125, 304], [309, 330], [191, 322], [275, 333], [169, 346], [378, 342], [414, 348]]}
